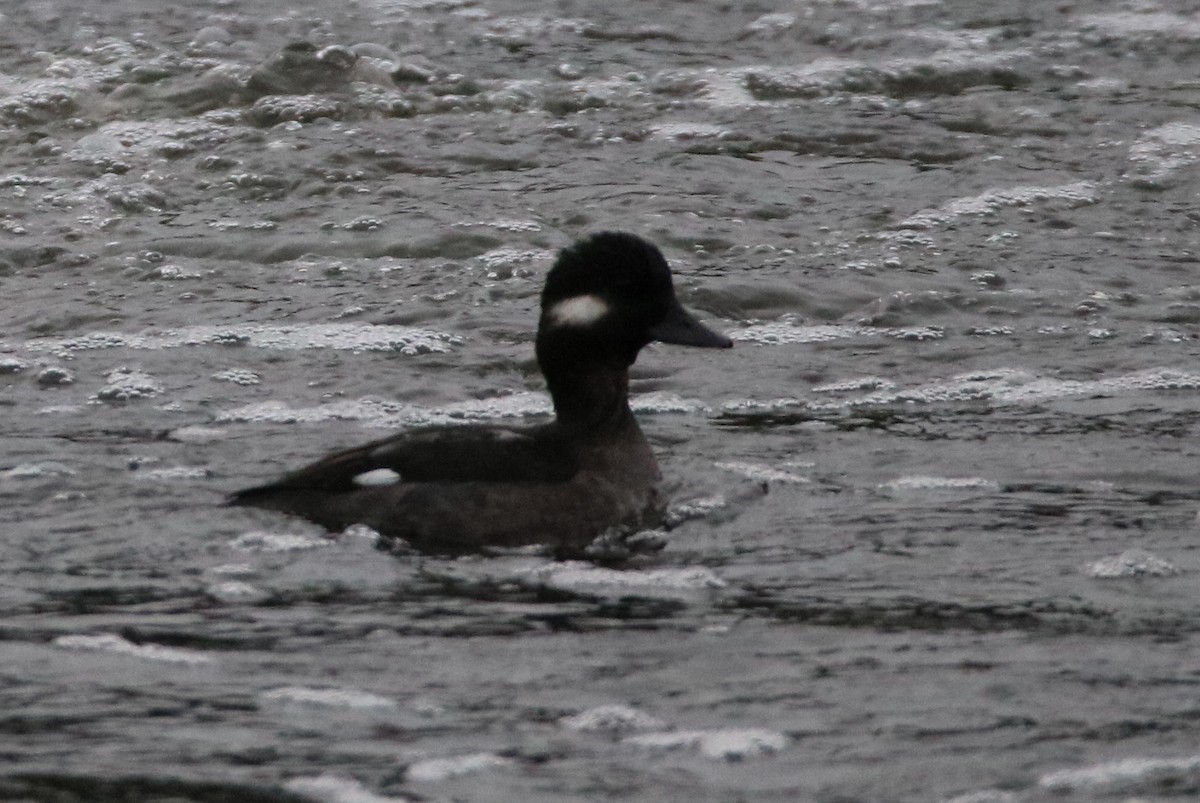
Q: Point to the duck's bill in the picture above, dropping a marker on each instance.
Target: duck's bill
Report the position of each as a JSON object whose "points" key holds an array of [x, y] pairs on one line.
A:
{"points": [[681, 328]]}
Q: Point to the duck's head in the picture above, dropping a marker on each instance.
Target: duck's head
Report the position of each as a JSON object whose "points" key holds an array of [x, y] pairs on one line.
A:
{"points": [[606, 297]]}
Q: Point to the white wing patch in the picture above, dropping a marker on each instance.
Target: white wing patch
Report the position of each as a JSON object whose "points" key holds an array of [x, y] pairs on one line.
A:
{"points": [[376, 477], [579, 311]]}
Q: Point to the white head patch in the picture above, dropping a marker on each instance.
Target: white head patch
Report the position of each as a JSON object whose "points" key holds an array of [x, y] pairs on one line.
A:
{"points": [[578, 311]]}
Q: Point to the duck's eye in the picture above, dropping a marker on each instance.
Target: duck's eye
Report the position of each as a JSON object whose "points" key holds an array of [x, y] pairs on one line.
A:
{"points": [[579, 311]]}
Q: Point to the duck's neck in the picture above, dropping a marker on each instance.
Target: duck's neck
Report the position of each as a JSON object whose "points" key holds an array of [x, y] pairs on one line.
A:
{"points": [[593, 399]]}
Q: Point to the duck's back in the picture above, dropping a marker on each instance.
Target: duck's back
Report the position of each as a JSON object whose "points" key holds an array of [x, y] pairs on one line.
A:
{"points": [[461, 489]]}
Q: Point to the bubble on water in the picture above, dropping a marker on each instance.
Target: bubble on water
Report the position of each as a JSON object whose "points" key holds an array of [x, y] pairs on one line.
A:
{"points": [[507, 225], [1078, 193], [128, 384], [236, 592], [917, 333], [760, 473], [234, 570], [259, 541], [304, 696], [1013, 386], [36, 471], [920, 482], [689, 130], [983, 796], [728, 745], [694, 509], [1131, 563], [12, 365], [946, 70], [1000, 386], [238, 376], [110, 642], [1159, 155], [225, 224], [662, 402], [771, 24], [1126, 25], [198, 434], [391, 414], [174, 474], [271, 110], [528, 30], [431, 770], [40, 100], [784, 332], [54, 376], [586, 578], [329, 788], [505, 257], [164, 138], [856, 384], [339, 336], [1127, 776], [611, 719], [787, 331]]}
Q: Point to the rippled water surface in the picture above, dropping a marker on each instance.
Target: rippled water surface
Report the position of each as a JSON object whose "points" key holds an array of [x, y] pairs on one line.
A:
{"points": [[936, 513]]}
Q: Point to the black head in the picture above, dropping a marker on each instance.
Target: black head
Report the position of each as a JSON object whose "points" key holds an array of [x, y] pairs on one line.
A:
{"points": [[606, 297]]}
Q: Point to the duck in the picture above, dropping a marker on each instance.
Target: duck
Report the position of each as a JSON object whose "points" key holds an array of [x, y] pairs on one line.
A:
{"points": [[558, 486]]}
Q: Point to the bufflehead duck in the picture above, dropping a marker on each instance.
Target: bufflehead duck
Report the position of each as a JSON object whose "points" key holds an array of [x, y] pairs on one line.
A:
{"points": [[461, 489]]}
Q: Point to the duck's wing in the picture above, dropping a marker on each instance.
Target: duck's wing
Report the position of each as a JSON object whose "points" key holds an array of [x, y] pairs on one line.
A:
{"points": [[444, 454]]}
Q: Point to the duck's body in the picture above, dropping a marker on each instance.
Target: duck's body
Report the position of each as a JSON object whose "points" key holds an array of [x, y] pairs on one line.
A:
{"points": [[465, 489]]}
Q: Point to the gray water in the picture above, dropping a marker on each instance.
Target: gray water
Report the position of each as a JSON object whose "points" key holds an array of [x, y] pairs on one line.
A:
{"points": [[936, 512]]}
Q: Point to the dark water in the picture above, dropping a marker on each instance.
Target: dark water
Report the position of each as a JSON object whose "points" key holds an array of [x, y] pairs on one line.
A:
{"points": [[957, 244]]}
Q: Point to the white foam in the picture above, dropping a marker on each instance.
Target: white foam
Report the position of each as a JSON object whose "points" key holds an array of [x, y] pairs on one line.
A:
{"points": [[110, 642], [787, 331], [587, 578], [393, 415], [760, 473], [35, 471], [125, 138], [688, 130], [662, 402], [611, 719], [340, 336], [332, 789], [1127, 776], [1161, 154], [238, 376], [12, 365], [258, 541], [1076, 193], [352, 699], [500, 257], [198, 434], [237, 592], [173, 474], [1156, 23], [983, 796], [439, 769], [728, 745], [1131, 563], [857, 384], [694, 509], [918, 482]]}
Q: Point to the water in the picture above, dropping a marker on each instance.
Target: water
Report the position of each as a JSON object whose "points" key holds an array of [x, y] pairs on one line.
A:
{"points": [[935, 512]]}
